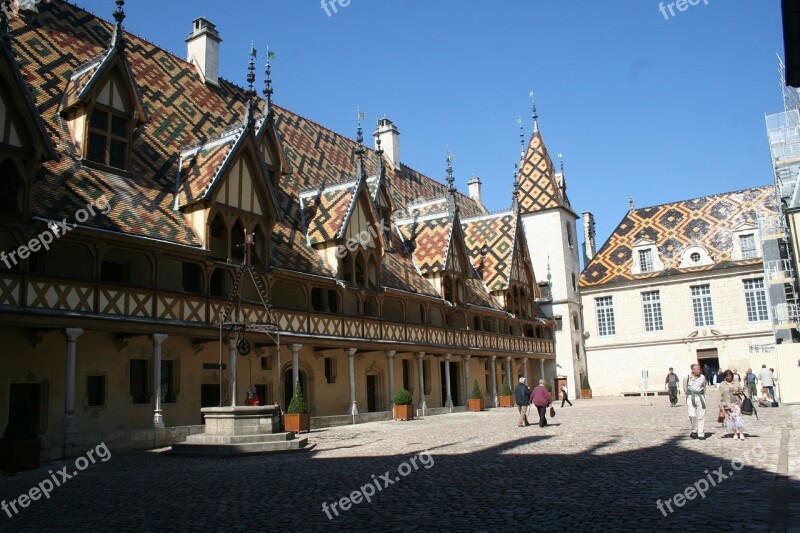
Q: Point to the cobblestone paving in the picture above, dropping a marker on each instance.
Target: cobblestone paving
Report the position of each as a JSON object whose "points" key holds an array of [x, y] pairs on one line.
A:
{"points": [[600, 465]]}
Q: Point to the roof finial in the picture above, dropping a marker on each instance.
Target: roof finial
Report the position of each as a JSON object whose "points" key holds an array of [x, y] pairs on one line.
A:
{"points": [[535, 113], [362, 171], [563, 176], [251, 70], [630, 203], [119, 15], [521, 137], [451, 188], [515, 190], [268, 80]]}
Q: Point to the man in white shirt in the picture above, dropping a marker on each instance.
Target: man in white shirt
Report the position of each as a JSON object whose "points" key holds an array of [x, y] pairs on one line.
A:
{"points": [[695, 389], [765, 376]]}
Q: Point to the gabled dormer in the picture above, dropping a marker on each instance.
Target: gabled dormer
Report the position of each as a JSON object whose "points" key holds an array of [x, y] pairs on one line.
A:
{"points": [[646, 258], [103, 107]]}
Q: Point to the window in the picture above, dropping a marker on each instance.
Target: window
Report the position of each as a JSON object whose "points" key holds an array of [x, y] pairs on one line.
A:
{"points": [[605, 316], [266, 363], [755, 298], [695, 257], [701, 305], [168, 392], [138, 381], [96, 391], [578, 351], [574, 282], [651, 306], [569, 234], [747, 243], [114, 271], [107, 140], [646, 260], [325, 300], [407, 374], [330, 370]]}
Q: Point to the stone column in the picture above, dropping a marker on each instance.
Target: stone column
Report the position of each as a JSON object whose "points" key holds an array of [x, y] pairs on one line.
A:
{"points": [[495, 400], [541, 368], [69, 424], [158, 417], [296, 364], [508, 372], [422, 405], [525, 371], [234, 372], [468, 388], [390, 366], [351, 354], [448, 402]]}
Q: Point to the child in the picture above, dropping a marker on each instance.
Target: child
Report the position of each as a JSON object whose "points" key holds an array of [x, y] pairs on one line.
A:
{"points": [[734, 421]]}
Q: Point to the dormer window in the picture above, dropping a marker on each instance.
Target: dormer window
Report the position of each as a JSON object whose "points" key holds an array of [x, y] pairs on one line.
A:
{"points": [[645, 258], [108, 138], [695, 256], [747, 243]]}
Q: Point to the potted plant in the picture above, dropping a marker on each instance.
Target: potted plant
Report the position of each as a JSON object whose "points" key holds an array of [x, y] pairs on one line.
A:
{"points": [[586, 390], [296, 418], [506, 396], [549, 387], [403, 406], [19, 448], [476, 398]]}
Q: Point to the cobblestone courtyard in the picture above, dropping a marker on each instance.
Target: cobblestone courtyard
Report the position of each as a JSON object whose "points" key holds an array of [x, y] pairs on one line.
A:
{"points": [[600, 465]]}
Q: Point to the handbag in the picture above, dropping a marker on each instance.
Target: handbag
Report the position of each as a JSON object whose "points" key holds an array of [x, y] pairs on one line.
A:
{"points": [[721, 415], [552, 412]]}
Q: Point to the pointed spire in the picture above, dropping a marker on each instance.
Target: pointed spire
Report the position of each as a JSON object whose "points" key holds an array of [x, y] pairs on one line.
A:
{"points": [[521, 138], [563, 183], [630, 203], [268, 91], [361, 171], [535, 113], [515, 191], [452, 206], [251, 70], [379, 152], [118, 39]]}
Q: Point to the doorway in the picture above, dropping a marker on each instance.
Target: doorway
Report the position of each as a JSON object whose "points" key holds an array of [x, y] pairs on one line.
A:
{"points": [[25, 403], [560, 382], [372, 393], [455, 383], [209, 397], [710, 357]]}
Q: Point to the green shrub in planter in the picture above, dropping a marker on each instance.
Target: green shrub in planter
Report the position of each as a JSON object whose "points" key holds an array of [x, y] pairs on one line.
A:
{"points": [[298, 404], [585, 382], [476, 391], [505, 390], [548, 386], [403, 397]]}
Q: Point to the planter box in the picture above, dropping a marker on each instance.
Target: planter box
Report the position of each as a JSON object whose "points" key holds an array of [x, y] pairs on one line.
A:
{"points": [[586, 394], [297, 423], [18, 455], [404, 412], [506, 401], [476, 405]]}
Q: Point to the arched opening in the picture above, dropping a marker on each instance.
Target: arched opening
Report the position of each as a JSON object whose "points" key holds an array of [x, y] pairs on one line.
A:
{"points": [[12, 192], [288, 295], [218, 238], [347, 268], [372, 273], [371, 307], [415, 313], [260, 256], [392, 310], [237, 241], [221, 283], [361, 270]]}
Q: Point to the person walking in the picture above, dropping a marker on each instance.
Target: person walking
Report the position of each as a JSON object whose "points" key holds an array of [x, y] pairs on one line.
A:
{"points": [[750, 380], [565, 395], [695, 389], [730, 398], [773, 390], [671, 384], [522, 395], [767, 385], [541, 400]]}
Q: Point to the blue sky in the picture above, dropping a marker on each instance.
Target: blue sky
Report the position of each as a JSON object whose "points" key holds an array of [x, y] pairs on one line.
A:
{"points": [[661, 109]]}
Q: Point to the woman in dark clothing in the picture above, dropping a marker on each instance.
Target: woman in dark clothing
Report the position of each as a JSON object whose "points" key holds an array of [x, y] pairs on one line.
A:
{"points": [[541, 400]]}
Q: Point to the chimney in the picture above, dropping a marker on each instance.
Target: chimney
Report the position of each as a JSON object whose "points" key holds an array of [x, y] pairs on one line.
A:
{"points": [[474, 185], [589, 248], [203, 50], [390, 140]]}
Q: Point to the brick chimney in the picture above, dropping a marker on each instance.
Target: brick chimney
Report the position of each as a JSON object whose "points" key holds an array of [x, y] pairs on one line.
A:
{"points": [[203, 50], [474, 185], [589, 249], [390, 140]]}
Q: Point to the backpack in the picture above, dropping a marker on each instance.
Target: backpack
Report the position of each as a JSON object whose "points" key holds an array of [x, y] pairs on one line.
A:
{"points": [[748, 408]]}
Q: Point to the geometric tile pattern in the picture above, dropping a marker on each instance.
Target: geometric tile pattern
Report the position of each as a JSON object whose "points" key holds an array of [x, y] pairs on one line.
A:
{"points": [[325, 213], [538, 189], [431, 240], [497, 233], [708, 222]]}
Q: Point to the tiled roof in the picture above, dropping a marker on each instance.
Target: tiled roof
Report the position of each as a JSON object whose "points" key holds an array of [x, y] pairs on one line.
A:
{"points": [[497, 232], [325, 213], [431, 240], [186, 112], [708, 222], [538, 188]]}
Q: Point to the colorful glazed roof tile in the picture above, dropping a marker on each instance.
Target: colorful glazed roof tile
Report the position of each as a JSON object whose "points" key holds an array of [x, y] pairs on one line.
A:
{"points": [[497, 232], [430, 238], [708, 222], [203, 165], [326, 211], [539, 189]]}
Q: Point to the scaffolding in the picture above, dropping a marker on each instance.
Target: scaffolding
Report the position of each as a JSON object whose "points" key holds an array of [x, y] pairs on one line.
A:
{"points": [[783, 132]]}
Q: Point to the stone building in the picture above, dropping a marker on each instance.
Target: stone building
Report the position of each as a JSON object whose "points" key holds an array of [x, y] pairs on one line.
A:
{"points": [[676, 284], [134, 186]]}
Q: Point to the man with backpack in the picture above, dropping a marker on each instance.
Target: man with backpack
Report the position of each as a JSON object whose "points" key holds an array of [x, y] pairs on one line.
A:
{"points": [[671, 383]]}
